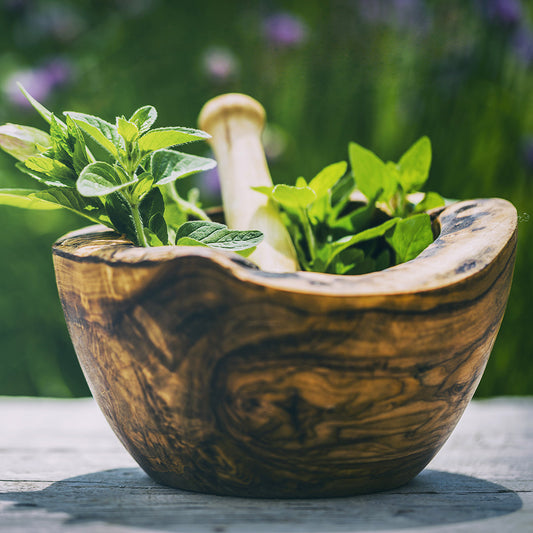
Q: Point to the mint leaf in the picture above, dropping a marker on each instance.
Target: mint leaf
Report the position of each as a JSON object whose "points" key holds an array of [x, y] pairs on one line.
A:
{"points": [[324, 181], [366, 235], [411, 236], [431, 200], [167, 166], [264, 189], [144, 118], [99, 179], [414, 166], [214, 235], [166, 137], [293, 197], [370, 173]]}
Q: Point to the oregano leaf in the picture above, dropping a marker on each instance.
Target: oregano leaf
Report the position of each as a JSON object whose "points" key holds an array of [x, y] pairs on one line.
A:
{"points": [[167, 166], [22, 142], [216, 235], [100, 179], [144, 118], [165, 137]]}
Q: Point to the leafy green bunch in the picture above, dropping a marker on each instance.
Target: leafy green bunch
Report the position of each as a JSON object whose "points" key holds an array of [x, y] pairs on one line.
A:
{"points": [[363, 220], [120, 175]]}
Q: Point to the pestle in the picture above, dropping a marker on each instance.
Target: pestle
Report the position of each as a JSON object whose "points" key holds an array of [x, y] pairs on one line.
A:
{"points": [[235, 122]]}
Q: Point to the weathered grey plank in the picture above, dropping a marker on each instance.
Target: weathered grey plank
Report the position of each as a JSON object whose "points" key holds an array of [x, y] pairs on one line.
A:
{"points": [[62, 469]]}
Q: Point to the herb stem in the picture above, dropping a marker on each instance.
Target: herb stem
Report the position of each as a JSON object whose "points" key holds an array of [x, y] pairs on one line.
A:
{"points": [[309, 235], [137, 222], [184, 205]]}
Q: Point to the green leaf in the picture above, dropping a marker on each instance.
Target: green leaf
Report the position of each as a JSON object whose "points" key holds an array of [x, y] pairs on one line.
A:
{"points": [[414, 165], [54, 198], [144, 118], [127, 130], [25, 198], [80, 158], [71, 199], [152, 204], [41, 177], [411, 236], [99, 179], [52, 168], [366, 235], [61, 147], [214, 235], [120, 214], [293, 197], [158, 227], [22, 142], [357, 220], [143, 186], [346, 261], [102, 133], [47, 115], [168, 165], [324, 181], [340, 195], [431, 200], [370, 173], [264, 189], [166, 137]]}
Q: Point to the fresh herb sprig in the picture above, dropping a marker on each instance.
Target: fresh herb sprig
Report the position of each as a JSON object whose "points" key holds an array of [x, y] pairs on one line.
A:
{"points": [[334, 233], [120, 175]]}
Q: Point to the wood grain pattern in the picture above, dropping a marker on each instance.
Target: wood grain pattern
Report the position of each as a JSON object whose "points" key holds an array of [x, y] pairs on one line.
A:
{"points": [[221, 378]]}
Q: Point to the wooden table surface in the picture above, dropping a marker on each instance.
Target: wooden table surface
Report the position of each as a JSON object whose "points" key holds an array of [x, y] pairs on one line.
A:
{"points": [[62, 469]]}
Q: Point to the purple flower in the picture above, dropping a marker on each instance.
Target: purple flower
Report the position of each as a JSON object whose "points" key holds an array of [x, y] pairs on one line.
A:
{"points": [[39, 82], [505, 12], [285, 30], [220, 64]]}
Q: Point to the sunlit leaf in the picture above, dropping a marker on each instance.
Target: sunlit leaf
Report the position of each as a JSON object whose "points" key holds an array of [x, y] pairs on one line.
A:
{"points": [[168, 165], [22, 142], [166, 137], [99, 179]]}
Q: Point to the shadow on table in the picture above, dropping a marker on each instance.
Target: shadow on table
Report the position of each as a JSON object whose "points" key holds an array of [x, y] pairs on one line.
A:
{"points": [[127, 497]]}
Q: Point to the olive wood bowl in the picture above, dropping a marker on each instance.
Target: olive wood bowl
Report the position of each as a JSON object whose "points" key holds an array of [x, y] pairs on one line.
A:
{"points": [[222, 378]]}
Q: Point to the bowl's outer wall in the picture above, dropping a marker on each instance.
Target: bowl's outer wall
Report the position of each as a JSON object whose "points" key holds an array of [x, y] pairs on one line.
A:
{"points": [[215, 382]]}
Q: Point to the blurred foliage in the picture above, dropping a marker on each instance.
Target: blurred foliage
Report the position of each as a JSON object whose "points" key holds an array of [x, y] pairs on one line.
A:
{"points": [[379, 72]]}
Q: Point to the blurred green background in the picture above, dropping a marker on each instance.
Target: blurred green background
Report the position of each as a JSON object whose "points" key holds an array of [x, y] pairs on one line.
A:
{"points": [[379, 72]]}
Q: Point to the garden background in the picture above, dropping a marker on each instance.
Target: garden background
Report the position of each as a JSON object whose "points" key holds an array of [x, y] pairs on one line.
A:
{"points": [[379, 72]]}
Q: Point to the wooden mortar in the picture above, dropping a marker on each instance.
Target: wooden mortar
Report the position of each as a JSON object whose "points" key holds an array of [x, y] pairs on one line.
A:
{"points": [[222, 378]]}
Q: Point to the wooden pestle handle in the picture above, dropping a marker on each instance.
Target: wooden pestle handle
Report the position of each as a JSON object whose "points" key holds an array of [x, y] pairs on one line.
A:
{"points": [[235, 122]]}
